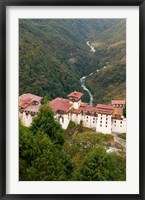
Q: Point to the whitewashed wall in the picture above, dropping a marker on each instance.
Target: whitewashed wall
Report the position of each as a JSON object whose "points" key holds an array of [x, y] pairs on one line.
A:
{"points": [[104, 124], [119, 126]]}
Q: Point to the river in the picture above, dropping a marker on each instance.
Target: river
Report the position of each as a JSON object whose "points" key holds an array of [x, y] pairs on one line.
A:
{"points": [[82, 80], [92, 49]]}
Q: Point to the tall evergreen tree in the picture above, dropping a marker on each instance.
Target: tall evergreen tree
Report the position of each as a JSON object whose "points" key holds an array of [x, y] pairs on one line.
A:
{"points": [[100, 166], [46, 122], [40, 160]]}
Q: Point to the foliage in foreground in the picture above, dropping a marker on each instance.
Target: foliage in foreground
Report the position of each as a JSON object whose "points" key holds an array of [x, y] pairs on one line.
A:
{"points": [[45, 122], [100, 166], [43, 155]]}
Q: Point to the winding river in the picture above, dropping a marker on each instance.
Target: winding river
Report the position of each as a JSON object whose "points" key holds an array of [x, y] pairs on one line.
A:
{"points": [[82, 80]]}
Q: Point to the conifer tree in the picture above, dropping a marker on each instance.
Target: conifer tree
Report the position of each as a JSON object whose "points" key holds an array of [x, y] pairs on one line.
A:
{"points": [[40, 160], [100, 166], [46, 122]]}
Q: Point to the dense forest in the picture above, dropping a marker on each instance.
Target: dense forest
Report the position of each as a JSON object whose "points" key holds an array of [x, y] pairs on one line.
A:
{"points": [[54, 55], [110, 81], [48, 153]]}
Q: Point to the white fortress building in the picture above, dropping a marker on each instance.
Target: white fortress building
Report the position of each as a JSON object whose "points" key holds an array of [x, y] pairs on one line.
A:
{"points": [[29, 105], [102, 118]]}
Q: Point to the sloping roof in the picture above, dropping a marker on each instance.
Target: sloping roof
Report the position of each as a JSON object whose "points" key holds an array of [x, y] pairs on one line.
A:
{"points": [[105, 109], [26, 99], [116, 102], [29, 98], [77, 95], [33, 108], [60, 104], [87, 108]]}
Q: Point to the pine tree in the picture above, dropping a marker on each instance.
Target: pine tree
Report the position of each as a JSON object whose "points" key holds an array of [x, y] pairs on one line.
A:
{"points": [[46, 122]]}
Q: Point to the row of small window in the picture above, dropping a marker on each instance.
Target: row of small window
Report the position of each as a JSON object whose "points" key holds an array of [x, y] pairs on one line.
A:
{"points": [[115, 125], [101, 122], [93, 121], [105, 115], [93, 118], [101, 125], [106, 118], [120, 122]]}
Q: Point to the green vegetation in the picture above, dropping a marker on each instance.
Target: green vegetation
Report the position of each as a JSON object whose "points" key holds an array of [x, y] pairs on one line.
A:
{"points": [[45, 122], [54, 55], [45, 156], [110, 82], [122, 135], [100, 166], [41, 154]]}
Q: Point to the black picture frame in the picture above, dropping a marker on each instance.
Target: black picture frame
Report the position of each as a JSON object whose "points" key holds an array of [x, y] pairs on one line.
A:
{"points": [[3, 127]]}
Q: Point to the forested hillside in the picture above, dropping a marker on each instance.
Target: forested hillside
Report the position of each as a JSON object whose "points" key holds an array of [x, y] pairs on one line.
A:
{"points": [[48, 153], [54, 55], [110, 81]]}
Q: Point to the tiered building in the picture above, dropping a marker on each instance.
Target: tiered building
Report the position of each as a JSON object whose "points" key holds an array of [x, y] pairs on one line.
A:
{"points": [[29, 105], [102, 118]]}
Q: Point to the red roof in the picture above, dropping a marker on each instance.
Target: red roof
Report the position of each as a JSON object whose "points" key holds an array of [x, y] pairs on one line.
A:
{"points": [[29, 98], [25, 101], [33, 108], [87, 108], [105, 109], [77, 95], [116, 102], [60, 104]]}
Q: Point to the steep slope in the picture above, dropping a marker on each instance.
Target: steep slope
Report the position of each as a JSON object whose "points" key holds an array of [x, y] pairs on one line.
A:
{"points": [[110, 81], [54, 55]]}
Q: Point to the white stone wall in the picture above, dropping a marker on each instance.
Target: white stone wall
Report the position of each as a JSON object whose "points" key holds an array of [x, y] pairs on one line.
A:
{"points": [[76, 105], [119, 126], [63, 120], [93, 122], [89, 121], [76, 118], [26, 119], [104, 124]]}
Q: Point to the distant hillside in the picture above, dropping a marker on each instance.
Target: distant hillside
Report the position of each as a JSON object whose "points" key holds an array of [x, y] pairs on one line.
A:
{"points": [[110, 81], [54, 55]]}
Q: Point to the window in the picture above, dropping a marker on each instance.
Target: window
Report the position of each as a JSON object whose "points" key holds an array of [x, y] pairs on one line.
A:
{"points": [[106, 125], [114, 124], [106, 122], [93, 122], [106, 118], [86, 120], [114, 121], [100, 121], [87, 117], [100, 124], [101, 117], [120, 125], [93, 118], [121, 122]]}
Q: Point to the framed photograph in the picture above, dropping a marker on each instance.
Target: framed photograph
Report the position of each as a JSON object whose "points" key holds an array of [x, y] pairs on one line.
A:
{"points": [[72, 99]]}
